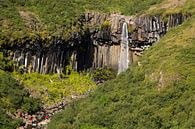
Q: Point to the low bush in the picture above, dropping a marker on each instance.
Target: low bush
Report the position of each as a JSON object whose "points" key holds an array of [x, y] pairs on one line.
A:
{"points": [[13, 96], [52, 89]]}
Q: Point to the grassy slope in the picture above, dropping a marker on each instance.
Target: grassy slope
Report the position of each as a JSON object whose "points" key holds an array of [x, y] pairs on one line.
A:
{"points": [[17, 21], [55, 16], [13, 96], [159, 94], [52, 89]]}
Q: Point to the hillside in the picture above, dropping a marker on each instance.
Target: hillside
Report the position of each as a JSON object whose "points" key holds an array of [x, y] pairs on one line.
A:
{"points": [[157, 94], [55, 56], [26, 18], [13, 96]]}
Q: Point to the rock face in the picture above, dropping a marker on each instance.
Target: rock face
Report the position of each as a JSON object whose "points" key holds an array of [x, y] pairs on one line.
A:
{"points": [[150, 29], [99, 46], [106, 55], [37, 58], [143, 31]]}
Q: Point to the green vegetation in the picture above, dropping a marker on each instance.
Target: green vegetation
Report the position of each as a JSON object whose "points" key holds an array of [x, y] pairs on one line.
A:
{"points": [[158, 94], [106, 25], [103, 74], [52, 89], [48, 89], [13, 97], [25, 19], [5, 63], [170, 7]]}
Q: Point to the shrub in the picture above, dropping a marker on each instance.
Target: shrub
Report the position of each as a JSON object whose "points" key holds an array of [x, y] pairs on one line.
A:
{"points": [[13, 96], [103, 74]]}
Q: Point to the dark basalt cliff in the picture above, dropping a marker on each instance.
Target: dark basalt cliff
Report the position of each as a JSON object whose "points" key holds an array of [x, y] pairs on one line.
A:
{"points": [[97, 46]]}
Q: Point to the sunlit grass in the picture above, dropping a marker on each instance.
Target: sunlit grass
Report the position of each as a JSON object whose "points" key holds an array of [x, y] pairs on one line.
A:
{"points": [[52, 89]]}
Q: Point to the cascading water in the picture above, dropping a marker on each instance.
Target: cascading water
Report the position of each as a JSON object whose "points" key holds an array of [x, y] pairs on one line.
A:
{"points": [[124, 55]]}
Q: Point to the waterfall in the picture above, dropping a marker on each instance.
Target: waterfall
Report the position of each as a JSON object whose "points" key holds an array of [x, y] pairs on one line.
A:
{"points": [[124, 55], [26, 61]]}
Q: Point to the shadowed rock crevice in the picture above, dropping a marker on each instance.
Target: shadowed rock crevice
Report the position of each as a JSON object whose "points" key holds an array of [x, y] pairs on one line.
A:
{"points": [[97, 45]]}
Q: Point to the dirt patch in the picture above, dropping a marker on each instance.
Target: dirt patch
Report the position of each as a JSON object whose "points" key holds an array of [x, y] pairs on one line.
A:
{"points": [[31, 20], [173, 3], [168, 4]]}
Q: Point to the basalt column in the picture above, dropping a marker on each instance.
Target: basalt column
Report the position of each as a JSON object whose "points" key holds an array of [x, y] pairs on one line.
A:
{"points": [[84, 52], [106, 56]]}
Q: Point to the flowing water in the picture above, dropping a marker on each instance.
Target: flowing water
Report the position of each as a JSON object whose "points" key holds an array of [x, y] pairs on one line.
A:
{"points": [[124, 55]]}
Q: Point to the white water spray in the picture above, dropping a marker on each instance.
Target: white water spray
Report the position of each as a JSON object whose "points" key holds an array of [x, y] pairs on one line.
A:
{"points": [[124, 55]]}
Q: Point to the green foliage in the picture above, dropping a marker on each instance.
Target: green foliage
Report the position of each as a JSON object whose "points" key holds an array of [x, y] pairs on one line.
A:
{"points": [[105, 25], [6, 122], [103, 74], [5, 63], [52, 89], [185, 7], [157, 94], [13, 97], [130, 28], [56, 17]]}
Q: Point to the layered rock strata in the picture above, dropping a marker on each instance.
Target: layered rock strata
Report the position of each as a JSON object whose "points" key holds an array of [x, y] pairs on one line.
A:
{"points": [[99, 46]]}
